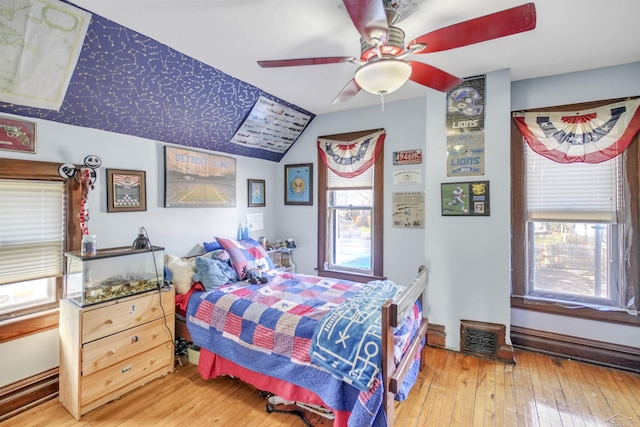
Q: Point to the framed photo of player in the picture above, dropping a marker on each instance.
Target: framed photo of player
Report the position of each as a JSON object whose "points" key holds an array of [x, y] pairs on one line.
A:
{"points": [[126, 190], [465, 198], [298, 184]]}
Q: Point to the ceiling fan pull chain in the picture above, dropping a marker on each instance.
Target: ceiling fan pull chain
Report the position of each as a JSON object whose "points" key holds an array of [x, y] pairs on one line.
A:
{"points": [[382, 101]]}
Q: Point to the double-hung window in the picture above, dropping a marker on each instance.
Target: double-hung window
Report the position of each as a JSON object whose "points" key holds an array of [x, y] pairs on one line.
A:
{"points": [[575, 240], [38, 222], [350, 204], [31, 243], [576, 223]]}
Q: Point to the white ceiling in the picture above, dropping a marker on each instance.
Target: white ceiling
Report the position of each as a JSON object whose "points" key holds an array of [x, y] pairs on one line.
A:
{"points": [[571, 35]]}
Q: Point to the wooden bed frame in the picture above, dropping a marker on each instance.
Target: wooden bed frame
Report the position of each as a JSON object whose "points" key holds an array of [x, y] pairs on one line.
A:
{"points": [[393, 312]]}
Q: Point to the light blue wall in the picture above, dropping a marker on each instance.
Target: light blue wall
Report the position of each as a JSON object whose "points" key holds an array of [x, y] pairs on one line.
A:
{"points": [[180, 231], [591, 85], [468, 257], [405, 124]]}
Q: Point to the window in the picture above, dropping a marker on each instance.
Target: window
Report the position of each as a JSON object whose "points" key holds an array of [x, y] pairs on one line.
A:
{"points": [[38, 222], [575, 226], [350, 218], [575, 229], [32, 239]]}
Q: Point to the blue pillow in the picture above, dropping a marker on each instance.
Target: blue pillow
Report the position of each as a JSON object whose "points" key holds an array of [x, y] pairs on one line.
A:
{"points": [[212, 273], [168, 275], [211, 246]]}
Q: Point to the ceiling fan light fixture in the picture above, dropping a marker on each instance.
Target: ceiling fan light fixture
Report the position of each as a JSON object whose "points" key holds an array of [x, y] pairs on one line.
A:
{"points": [[383, 76]]}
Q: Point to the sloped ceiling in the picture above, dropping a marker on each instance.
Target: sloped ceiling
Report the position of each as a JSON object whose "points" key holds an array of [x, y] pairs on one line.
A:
{"points": [[185, 71], [128, 83]]}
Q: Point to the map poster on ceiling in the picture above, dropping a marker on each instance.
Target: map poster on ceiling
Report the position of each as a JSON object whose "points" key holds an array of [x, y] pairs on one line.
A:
{"points": [[40, 41], [465, 154], [271, 126], [465, 106]]}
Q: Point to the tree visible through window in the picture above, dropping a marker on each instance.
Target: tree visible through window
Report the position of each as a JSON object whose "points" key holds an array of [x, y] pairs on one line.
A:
{"points": [[575, 231], [350, 205], [576, 227]]}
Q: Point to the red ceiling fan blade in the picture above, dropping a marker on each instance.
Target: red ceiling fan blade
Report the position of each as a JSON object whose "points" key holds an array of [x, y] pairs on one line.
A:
{"points": [[500, 24], [433, 77], [349, 91], [305, 61], [369, 18]]}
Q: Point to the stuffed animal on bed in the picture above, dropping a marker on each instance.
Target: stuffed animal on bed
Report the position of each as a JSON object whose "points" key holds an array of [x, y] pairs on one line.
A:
{"points": [[254, 276]]}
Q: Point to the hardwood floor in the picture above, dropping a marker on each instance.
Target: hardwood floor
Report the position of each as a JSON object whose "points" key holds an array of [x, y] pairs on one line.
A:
{"points": [[454, 389]]}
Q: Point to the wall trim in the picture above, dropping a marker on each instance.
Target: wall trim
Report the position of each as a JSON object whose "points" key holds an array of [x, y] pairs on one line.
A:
{"points": [[27, 393], [582, 349], [436, 336], [23, 326]]}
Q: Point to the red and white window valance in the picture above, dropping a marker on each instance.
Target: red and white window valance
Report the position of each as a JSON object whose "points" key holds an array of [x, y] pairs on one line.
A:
{"points": [[349, 159], [590, 136]]}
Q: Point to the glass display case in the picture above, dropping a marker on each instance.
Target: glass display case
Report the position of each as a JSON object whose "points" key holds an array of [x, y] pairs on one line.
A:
{"points": [[112, 273]]}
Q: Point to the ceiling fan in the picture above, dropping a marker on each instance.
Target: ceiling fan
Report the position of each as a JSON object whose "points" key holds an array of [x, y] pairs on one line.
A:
{"points": [[383, 64]]}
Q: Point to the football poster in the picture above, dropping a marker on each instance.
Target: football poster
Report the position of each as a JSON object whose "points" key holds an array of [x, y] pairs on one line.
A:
{"points": [[465, 198], [465, 154], [465, 106]]}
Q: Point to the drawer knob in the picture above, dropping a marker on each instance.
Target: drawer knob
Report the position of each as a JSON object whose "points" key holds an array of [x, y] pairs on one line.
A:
{"points": [[126, 368], [111, 352], [108, 321]]}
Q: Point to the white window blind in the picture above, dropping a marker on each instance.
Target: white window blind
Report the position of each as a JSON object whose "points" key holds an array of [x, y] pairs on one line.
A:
{"points": [[572, 191], [31, 230], [362, 181]]}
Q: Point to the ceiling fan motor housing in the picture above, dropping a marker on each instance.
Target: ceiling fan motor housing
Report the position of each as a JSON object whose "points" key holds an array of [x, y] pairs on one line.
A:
{"points": [[393, 47]]}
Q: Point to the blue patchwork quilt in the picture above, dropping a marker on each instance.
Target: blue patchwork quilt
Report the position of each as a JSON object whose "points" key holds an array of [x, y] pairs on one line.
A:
{"points": [[269, 329]]}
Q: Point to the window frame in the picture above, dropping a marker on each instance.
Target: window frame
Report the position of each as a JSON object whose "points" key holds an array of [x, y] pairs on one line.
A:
{"points": [[377, 213], [519, 229], [332, 213], [26, 322]]}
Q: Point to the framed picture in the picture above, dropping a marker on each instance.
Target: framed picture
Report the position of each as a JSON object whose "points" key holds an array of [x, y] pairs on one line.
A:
{"points": [[298, 184], [17, 135], [256, 193], [126, 190], [194, 179], [465, 198]]}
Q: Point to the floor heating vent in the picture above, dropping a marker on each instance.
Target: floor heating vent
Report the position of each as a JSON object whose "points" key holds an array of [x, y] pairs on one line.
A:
{"points": [[485, 340]]}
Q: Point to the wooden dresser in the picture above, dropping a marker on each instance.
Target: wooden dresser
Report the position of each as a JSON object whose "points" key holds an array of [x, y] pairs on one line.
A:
{"points": [[108, 349]]}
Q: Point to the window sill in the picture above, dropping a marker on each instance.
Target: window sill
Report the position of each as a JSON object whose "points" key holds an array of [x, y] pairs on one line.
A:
{"points": [[621, 317], [22, 326], [344, 275]]}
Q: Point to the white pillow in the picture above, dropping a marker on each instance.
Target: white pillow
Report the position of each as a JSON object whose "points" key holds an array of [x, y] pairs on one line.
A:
{"points": [[182, 271]]}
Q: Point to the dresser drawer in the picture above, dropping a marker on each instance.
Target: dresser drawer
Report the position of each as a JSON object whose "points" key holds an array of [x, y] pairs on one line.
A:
{"points": [[124, 314], [112, 378], [104, 352]]}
